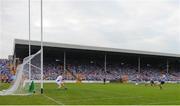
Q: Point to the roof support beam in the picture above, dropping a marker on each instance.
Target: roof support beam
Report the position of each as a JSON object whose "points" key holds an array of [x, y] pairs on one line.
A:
{"points": [[139, 64], [167, 66], [64, 61], [105, 63]]}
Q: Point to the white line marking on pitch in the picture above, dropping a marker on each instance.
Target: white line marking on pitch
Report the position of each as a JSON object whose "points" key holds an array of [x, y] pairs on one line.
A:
{"points": [[58, 102], [164, 102]]}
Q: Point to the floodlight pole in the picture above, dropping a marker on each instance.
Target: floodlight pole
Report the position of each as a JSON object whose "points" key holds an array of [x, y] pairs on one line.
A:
{"points": [[167, 66], [41, 46], [139, 64], [29, 11]]}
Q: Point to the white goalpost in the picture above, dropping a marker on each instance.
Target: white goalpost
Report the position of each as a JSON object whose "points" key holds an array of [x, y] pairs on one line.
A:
{"points": [[30, 70], [41, 46]]}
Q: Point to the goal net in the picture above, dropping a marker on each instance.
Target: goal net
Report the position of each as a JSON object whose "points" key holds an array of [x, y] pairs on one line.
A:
{"points": [[28, 77]]}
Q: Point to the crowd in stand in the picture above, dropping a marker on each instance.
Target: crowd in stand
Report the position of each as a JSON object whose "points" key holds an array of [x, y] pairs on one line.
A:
{"points": [[51, 71], [5, 74], [113, 72], [174, 75], [95, 71]]}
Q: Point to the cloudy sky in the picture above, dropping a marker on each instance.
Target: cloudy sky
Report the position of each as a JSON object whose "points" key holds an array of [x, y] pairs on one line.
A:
{"points": [[150, 25]]}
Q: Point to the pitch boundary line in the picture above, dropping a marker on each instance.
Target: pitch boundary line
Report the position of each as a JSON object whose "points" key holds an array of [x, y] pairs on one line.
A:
{"points": [[155, 103], [58, 102]]}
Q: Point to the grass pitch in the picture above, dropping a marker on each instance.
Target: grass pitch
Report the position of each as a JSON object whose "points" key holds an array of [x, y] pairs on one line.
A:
{"points": [[99, 94]]}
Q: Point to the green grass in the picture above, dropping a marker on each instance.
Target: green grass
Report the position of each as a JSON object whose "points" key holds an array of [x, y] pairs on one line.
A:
{"points": [[4, 86], [98, 94]]}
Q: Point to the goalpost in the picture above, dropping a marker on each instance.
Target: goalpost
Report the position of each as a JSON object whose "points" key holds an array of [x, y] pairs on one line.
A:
{"points": [[30, 70], [21, 86], [41, 65]]}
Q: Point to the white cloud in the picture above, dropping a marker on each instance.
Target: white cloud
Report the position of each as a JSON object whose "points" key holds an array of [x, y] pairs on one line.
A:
{"points": [[132, 24]]}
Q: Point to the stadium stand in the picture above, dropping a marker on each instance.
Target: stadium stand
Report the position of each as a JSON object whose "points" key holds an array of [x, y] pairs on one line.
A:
{"points": [[89, 64]]}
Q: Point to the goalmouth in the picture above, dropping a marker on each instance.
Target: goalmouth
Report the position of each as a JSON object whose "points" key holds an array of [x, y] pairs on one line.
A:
{"points": [[19, 85]]}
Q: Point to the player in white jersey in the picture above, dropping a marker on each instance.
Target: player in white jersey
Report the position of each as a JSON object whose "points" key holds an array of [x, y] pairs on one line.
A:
{"points": [[162, 80], [60, 82]]}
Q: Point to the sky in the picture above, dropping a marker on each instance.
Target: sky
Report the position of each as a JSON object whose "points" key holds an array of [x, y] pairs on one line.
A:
{"points": [[149, 25]]}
